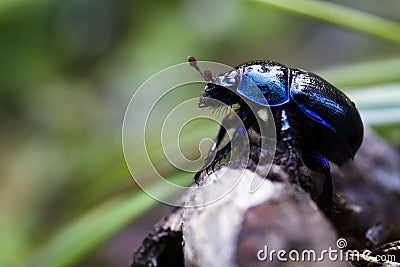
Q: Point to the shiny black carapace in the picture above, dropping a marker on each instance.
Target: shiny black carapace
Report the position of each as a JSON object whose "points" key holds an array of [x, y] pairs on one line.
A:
{"points": [[313, 118]]}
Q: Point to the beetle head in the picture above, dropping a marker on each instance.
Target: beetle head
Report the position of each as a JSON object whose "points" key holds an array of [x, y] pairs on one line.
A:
{"points": [[223, 95], [221, 88]]}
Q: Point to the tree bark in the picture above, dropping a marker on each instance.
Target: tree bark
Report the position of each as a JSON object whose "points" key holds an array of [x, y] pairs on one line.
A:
{"points": [[249, 229]]}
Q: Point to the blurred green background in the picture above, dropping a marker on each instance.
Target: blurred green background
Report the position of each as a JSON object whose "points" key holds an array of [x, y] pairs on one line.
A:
{"points": [[68, 69]]}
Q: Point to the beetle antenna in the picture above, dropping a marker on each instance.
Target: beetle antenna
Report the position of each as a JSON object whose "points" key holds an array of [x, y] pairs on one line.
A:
{"points": [[207, 75]]}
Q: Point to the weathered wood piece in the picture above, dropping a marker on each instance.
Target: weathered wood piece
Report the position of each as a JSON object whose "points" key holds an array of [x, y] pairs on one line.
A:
{"points": [[242, 228]]}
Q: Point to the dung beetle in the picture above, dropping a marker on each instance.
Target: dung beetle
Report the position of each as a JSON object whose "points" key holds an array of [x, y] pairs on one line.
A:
{"points": [[313, 118]]}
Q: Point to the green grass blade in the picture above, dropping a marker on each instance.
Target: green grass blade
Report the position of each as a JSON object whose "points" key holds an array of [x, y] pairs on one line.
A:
{"points": [[378, 105], [363, 73], [81, 236], [342, 16]]}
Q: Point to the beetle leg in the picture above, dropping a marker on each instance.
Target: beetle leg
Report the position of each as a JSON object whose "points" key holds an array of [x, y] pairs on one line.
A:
{"points": [[227, 123], [223, 152], [319, 164], [287, 139], [213, 156]]}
